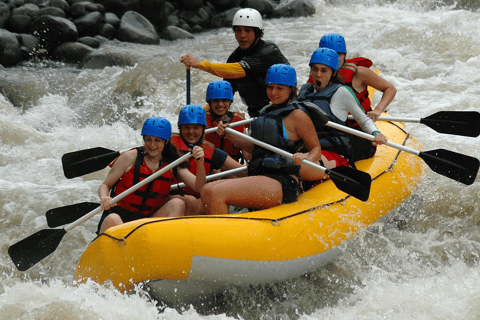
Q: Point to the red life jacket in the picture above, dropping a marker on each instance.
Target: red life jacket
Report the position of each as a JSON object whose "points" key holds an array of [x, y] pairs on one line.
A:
{"points": [[222, 143], [346, 73], [208, 149], [149, 198]]}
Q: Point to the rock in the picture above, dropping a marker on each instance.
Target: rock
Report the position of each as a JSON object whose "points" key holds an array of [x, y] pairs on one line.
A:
{"points": [[265, 7], [4, 14], [224, 19], [71, 52], [28, 46], [82, 8], [50, 11], [295, 8], [19, 23], [198, 17], [90, 24], [112, 19], [108, 31], [27, 9], [53, 31], [136, 28], [191, 5], [62, 4], [10, 53], [97, 60], [175, 33], [91, 42], [225, 4]]}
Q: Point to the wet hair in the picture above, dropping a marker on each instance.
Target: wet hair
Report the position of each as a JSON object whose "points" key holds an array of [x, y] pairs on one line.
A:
{"points": [[258, 32]]}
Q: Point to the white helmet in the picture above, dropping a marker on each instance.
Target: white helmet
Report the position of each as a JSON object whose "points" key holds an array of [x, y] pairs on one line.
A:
{"points": [[247, 17]]}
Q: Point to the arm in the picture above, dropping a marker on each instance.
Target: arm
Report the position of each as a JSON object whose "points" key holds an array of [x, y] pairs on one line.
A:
{"points": [[241, 143], [343, 102], [223, 70], [366, 77], [300, 127], [198, 181], [119, 168]]}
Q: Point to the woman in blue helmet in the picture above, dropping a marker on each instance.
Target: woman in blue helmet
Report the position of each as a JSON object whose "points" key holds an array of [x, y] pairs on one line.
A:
{"points": [[135, 165], [356, 74], [219, 98], [272, 179], [192, 124], [337, 101]]}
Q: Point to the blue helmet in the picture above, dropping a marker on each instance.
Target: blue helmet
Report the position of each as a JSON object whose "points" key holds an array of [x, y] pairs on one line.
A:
{"points": [[325, 56], [219, 89], [157, 127], [192, 113], [334, 41], [281, 74]]}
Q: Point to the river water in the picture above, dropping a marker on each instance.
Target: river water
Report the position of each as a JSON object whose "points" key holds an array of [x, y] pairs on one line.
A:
{"points": [[423, 264]]}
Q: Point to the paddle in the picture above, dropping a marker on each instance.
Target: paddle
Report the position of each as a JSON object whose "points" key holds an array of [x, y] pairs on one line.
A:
{"points": [[62, 215], [31, 250], [79, 163], [456, 166], [188, 85], [462, 123], [354, 182]]}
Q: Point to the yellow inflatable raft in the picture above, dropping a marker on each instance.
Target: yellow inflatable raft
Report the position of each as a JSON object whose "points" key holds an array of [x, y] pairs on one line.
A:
{"points": [[182, 258]]}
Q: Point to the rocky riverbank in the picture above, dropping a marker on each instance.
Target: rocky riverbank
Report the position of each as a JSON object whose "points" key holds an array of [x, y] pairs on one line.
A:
{"points": [[73, 31]]}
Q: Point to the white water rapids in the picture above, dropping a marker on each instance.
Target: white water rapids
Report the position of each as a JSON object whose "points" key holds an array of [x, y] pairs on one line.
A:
{"points": [[424, 264]]}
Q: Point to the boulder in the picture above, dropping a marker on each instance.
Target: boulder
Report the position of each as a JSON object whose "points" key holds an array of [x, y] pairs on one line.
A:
{"points": [[27, 9], [191, 5], [10, 53], [175, 33], [91, 42], [225, 4], [265, 7], [90, 24], [224, 19], [71, 52], [97, 60], [82, 8], [50, 11], [294, 8], [52, 31], [108, 31], [19, 23], [62, 4], [136, 28], [4, 14], [112, 19]]}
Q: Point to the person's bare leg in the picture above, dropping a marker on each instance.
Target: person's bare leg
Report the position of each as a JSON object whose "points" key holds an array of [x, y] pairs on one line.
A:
{"points": [[174, 207], [111, 220], [313, 174], [258, 192]]}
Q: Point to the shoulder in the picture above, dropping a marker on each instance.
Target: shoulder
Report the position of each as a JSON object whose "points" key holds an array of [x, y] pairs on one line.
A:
{"points": [[126, 159]]}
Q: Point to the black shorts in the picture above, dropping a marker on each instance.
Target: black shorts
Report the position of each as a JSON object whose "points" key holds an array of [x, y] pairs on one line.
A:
{"points": [[290, 186], [124, 214]]}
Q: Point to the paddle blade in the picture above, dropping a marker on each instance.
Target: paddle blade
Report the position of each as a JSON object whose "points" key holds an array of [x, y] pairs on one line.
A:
{"points": [[29, 251], [456, 166], [63, 215], [354, 182], [79, 163], [462, 123]]}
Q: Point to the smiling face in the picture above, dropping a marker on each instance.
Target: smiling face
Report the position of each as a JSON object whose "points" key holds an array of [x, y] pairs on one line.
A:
{"points": [[191, 132], [153, 145], [321, 75], [220, 106], [278, 93], [245, 36]]}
